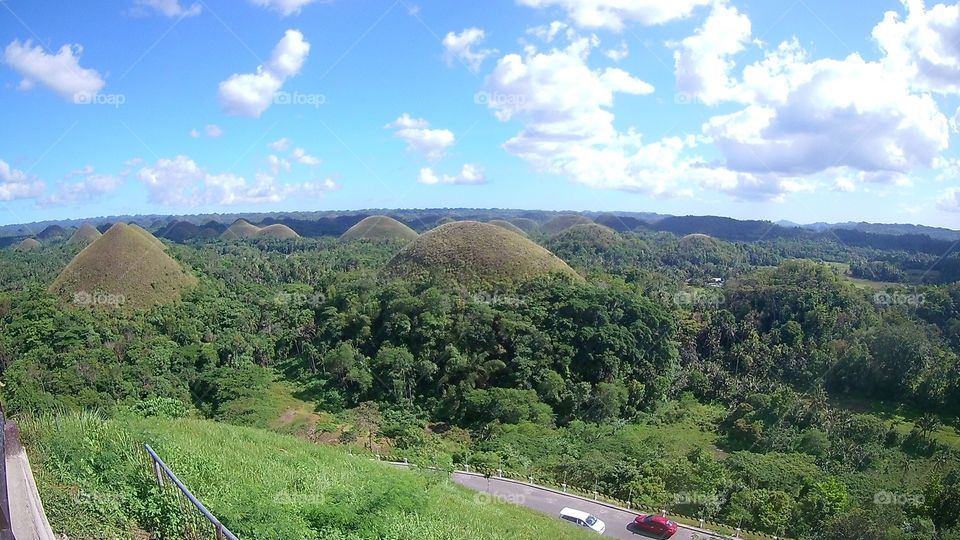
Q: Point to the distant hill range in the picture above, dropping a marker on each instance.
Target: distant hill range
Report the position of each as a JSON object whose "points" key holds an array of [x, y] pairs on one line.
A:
{"points": [[912, 238]]}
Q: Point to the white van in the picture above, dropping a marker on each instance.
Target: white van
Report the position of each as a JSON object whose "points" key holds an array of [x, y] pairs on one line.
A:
{"points": [[583, 519]]}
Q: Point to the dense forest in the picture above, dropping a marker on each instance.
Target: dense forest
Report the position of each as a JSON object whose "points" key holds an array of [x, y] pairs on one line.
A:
{"points": [[802, 385]]}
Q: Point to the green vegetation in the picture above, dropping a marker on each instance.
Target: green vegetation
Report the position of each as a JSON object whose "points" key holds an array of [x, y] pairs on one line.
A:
{"points": [[475, 254], [563, 222], [380, 228], [127, 264], [96, 483], [746, 382]]}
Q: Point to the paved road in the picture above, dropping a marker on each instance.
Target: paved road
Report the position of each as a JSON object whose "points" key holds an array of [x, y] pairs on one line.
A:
{"points": [[26, 511], [550, 502]]}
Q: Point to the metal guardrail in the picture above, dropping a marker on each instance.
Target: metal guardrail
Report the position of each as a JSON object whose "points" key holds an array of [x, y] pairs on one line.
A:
{"points": [[6, 526], [160, 471]]}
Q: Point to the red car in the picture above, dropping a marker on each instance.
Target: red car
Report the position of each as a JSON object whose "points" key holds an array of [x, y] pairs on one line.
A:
{"points": [[656, 525]]}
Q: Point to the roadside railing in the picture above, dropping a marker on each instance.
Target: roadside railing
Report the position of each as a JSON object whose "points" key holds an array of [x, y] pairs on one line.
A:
{"points": [[725, 530], [6, 526], [199, 520]]}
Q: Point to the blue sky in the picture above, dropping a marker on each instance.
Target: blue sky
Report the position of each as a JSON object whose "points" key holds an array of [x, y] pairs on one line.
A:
{"points": [[807, 111]]}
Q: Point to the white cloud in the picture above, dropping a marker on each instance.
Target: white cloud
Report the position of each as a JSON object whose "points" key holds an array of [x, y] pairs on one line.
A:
{"points": [[279, 145], [924, 46], [470, 174], [168, 8], [82, 171], [250, 94], [620, 53], [213, 130], [615, 14], [277, 164], [194, 133], [565, 107], [61, 72], [181, 182], [420, 138], [703, 60], [809, 117], [548, 32], [284, 7], [302, 157], [88, 189], [461, 47], [172, 182], [949, 200], [16, 184]]}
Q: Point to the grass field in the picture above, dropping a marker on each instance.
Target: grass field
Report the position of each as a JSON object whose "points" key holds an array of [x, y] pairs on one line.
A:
{"points": [[93, 479]]}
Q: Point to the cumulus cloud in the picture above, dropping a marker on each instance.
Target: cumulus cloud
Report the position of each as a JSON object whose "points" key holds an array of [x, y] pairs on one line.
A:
{"points": [[92, 186], [302, 157], [167, 8], [211, 130], [16, 184], [950, 200], [420, 138], [462, 47], [703, 61], [277, 164], [279, 145], [924, 45], [618, 54], [61, 72], [470, 174], [283, 7], [566, 109], [182, 182], [616, 14], [249, 94], [810, 117]]}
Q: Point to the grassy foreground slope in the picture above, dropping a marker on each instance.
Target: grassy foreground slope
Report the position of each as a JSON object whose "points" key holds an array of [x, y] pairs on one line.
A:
{"points": [[93, 479]]}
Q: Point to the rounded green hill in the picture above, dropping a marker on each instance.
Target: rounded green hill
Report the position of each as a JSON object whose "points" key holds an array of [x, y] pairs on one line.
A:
{"points": [[240, 228], [473, 253], [526, 224], [592, 235], [379, 228], [85, 234], [508, 226], [278, 231], [564, 222], [126, 267], [28, 244]]}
